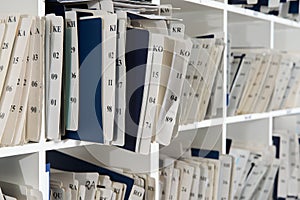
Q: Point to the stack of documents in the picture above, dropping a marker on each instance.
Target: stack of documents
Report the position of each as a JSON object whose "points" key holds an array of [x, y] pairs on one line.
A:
{"points": [[21, 78], [262, 80], [288, 178], [15, 191], [130, 75], [241, 174], [76, 179]]}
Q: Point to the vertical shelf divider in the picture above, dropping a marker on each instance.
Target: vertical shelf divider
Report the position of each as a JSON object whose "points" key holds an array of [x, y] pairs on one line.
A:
{"points": [[154, 168], [225, 67]]}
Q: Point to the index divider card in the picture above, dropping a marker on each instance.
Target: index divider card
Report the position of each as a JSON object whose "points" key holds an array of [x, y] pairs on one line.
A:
{"points": [[252, 78], [168, 111], [53, 128], [261, 103], [148, 126], [239, 83], [120, 101], [3, 27], [16, 67], [190, 73], [282, 79], [36, 93], [258, 84], [109, 75], [71, 70], [19, 132], [215, 103], [293, 93], [196, 178], [213, 65], [198, 83], [193, 98], [174, 184], [185, 182], [8, 135], [12, 23], [165, 73]]}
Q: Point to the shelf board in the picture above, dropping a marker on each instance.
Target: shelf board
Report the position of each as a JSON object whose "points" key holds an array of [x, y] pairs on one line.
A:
{"points": [[204, 5], [202, 124], [208, 3], [232, 9], [246, 117], [69, 143], [257, 116], [285, 112], [285, 22], [38, 147], [262, 16], [64, 144], [20, 150]]}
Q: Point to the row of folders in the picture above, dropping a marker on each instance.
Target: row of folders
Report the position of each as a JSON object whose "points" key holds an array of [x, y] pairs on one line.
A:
{"points": [[76, 179], [253, 172], [70, 178], [261, 80], [243, 173], [126, 78], [103, 75], [15, 191]]}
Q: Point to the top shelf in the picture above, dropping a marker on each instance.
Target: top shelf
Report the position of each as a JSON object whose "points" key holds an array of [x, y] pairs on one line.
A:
{"points": [[217, 6]]}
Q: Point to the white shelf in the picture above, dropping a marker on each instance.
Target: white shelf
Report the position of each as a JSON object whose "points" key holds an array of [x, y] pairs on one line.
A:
{"points": [[207, 3], [257, 116], [42, 146], [202, 124], [200, 17], [286, 112], [248, 13], [20, 150], [187, 5], [239, 118], [285, 22], [246, 117], [64, 144]]}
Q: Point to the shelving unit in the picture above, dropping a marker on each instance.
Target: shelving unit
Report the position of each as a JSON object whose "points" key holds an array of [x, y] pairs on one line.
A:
{"points": [[246, 28]]}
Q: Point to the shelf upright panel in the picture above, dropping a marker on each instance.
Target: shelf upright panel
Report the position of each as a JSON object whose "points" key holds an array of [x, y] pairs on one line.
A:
{"points": [[225, 68], [42, 174], [248, 29], [154, 168], [285, 35], [287, 122], [250, 134], [21, 169], [272, 25]]}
